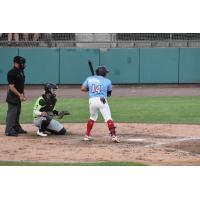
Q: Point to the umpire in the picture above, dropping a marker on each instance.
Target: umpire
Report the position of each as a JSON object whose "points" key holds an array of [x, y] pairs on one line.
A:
{"points": [[15, 96]]}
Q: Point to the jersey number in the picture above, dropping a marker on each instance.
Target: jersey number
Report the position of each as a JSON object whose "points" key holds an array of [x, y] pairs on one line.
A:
{"points": [[96, 88]]}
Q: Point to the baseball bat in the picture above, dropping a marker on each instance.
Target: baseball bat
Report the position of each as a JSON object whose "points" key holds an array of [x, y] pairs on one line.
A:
{"points": [[91, 67]]}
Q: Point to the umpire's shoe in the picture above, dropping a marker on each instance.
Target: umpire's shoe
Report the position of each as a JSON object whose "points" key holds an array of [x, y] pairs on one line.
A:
{"points": [[12, 133], [21, 131]]}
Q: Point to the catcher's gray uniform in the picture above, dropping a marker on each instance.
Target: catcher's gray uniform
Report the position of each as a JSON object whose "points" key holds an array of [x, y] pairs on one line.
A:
{"points": [[53, 126], [47, 123]]}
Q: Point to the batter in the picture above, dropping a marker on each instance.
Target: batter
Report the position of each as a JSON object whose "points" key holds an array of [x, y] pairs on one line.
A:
{"points": [[99, 88]]}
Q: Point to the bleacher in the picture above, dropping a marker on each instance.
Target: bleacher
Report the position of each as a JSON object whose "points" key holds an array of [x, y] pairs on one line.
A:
{"points": [[105, 40]]}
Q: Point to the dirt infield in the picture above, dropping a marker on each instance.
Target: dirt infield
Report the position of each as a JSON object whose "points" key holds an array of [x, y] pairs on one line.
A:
{"points": [[153, 144]]}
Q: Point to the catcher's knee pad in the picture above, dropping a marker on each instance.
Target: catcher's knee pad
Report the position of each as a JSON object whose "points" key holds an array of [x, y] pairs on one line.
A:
{"points": [[44, 124], [111, 127], [62, 131]]}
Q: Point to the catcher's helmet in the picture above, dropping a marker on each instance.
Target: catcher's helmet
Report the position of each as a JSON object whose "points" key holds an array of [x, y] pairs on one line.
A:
{"points": [[101, 71], [51, 88]]}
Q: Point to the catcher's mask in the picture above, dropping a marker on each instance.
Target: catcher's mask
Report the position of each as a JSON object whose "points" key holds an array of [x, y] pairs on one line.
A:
{"points": [[51, 88], [21, 61], [101, 71]]}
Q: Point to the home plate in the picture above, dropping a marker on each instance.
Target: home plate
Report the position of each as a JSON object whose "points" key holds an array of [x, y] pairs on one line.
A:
{"points": [[135, 140]]}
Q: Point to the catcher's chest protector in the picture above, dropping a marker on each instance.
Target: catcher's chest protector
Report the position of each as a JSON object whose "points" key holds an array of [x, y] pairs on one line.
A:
{"points": [[49, 105]]}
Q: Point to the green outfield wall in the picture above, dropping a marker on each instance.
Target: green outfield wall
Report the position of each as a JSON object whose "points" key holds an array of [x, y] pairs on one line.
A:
{"points": [[6, 56], [126, 65]]}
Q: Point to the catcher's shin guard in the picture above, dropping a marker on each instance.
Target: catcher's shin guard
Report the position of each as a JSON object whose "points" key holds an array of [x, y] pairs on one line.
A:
{"points": [[111, 127], [62, 132], [44, 124], [90, 124]]}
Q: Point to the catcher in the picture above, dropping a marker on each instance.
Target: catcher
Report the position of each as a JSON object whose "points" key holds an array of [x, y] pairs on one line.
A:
{"points": [[44, 112]]}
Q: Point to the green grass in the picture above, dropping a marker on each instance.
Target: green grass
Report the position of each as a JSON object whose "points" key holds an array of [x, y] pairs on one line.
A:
{"points": [[20, 163], [180, 110]]}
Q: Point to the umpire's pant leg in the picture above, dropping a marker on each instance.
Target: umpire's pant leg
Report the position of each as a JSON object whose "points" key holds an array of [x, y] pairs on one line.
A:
{"points": [[11, 117], [17, 124]]}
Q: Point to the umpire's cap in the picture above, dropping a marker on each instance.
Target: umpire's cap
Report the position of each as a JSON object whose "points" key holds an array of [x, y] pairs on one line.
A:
{"points": [[19, 60], [101, 71]]}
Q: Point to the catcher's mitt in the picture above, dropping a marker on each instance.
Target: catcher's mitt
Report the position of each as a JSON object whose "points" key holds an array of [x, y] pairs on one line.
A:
{"points": [[62, 113]]}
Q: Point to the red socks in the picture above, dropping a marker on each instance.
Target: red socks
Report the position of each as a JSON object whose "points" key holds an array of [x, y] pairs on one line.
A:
{"points": [[111, 127], [110, 124], [90, 124]]}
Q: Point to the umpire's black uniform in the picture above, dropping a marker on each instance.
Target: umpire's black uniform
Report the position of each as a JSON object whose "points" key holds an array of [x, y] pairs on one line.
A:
{"points": [[15, 77]]}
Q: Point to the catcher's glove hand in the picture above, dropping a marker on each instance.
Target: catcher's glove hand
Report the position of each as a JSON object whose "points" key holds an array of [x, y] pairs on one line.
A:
{"points": [[62, 113]]}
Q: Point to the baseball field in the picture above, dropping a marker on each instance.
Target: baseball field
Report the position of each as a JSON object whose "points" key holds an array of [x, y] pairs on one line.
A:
{"points": [[157, 125]]}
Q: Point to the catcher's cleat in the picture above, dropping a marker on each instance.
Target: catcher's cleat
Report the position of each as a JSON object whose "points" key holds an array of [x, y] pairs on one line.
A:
{"points": [[115, 139], [88, 138], [41, 134]]}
